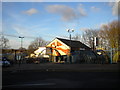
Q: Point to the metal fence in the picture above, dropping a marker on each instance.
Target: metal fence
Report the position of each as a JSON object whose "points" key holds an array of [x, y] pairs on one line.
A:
{"points": [[114, 55]]}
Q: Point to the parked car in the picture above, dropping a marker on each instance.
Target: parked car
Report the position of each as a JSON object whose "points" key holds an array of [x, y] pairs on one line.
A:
{"points": [[5, 63]]}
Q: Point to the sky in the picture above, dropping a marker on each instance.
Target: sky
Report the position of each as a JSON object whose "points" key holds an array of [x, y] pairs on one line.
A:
{"points": [[51, 19]]}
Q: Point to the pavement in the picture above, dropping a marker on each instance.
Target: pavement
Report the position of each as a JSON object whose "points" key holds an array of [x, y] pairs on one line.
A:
{"points": [[63, 67]]}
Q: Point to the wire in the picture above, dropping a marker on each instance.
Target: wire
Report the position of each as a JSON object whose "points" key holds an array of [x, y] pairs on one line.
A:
{"points": [[46, 35], [16, 36]]}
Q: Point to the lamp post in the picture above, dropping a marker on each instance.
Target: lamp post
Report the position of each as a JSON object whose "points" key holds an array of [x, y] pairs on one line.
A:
{"points": [[70, 31], [20, 50], [21, 40]]}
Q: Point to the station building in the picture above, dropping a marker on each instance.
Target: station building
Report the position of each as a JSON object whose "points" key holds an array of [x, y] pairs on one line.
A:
{"points": [[60, 49]]}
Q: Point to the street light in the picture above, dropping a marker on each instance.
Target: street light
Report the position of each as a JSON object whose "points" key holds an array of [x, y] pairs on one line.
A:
{"points": [[20, 50], [70, 31], [21, 40]]}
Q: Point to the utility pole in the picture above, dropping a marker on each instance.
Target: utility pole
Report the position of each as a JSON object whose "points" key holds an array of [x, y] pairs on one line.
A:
{"points": [[70, 31]]}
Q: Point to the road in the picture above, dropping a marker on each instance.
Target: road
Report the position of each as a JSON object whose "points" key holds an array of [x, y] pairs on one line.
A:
{"points": [[82, 78], [64, 67], [61, 80]]}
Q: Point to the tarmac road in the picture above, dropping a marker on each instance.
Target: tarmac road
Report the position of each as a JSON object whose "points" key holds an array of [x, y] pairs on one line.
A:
{"points": [[63, 67], [61, 76], [60, 80]]}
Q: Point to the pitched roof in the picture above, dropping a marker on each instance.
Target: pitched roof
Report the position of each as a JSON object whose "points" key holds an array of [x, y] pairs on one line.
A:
{"points": [[73, 43]]}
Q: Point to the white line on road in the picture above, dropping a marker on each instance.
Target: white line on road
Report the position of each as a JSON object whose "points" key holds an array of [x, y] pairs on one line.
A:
{"points": [[23, 85]]}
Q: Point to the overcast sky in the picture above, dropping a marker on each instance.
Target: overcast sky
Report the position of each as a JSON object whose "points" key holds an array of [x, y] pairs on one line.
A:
{"points": [[51, 19]]}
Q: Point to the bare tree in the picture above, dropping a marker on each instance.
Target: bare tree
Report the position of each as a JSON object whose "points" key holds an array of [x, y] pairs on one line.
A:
{"points": [[77, 37], [103, 41], [4, 43], [88, 37], [108, 36], [38, 42], [112, 34]]}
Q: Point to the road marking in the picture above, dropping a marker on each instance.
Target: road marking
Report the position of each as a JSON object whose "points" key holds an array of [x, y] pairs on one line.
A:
{"points": [[39, 84]]}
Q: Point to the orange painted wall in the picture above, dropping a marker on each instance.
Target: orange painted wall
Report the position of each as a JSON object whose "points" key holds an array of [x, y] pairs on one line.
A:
{"points": [[58, 48]]}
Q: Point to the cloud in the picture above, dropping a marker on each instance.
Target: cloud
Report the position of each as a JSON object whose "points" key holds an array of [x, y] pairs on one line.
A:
{"points": [[110, 4], [67, 13], [16, 42], [16, 18], [21, 30], [84, 29], [102, 25], [31, 11], [30, 32], [95, 9], [81, 10], [116, 8]]}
